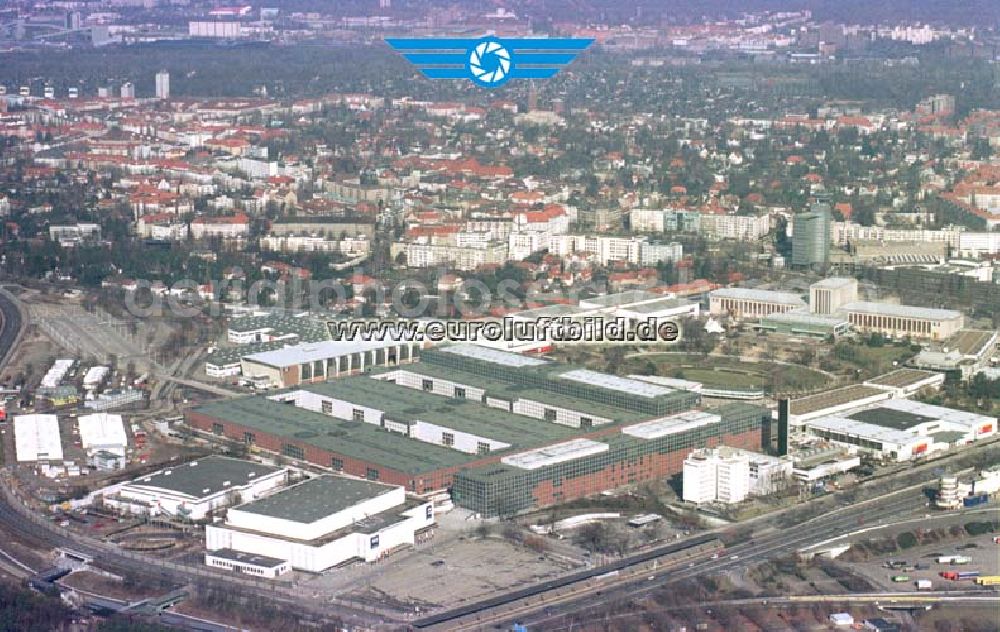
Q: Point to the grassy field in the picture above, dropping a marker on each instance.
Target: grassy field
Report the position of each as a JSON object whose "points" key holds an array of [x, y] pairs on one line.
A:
{"points": [[872, 360], [723, 372]]}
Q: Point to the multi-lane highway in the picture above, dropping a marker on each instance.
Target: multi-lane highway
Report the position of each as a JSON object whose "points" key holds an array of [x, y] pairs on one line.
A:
{"points": [[764, 546], [544, 610]]}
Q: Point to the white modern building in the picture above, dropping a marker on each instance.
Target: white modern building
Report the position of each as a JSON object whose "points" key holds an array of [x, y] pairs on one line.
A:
{"points": [[701, 476], [324, 522], [103, 431], [729, 475], [75, 233], [192, 490], [227, 227], [36, 438], [163, 85], [422, 255], [739, 227], [654, 252]]}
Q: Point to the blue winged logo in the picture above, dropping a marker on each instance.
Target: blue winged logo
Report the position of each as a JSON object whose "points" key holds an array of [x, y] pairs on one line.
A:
{"points": [[490, 62]]}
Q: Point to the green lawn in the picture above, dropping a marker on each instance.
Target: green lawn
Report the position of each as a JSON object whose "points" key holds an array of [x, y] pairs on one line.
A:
{"points": [[872, 360], [723, 372], [732, 379]]}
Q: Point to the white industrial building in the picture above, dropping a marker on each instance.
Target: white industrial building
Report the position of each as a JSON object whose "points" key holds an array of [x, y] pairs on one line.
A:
{"points": [[247, 563], [324, 522], [827, 469], [191, 490], [36, 438], [902, 429], [729, 475], [103, 432]]}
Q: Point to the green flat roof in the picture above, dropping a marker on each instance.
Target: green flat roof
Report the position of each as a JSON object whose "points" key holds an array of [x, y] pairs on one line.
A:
{"points": [[548, 373], [316, 498], [409, 405], [353, 439], [511, 392]]}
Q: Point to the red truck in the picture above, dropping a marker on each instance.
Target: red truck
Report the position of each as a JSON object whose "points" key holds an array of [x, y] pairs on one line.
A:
{"points": [[959, 575]]}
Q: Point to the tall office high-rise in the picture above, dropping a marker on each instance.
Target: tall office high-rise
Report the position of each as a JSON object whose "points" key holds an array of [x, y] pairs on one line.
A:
{"points": [[811, 236], [73, 20], [128, 90], [163, 85]]}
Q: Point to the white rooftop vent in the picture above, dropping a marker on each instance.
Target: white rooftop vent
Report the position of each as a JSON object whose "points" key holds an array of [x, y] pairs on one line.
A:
{"points": [[226, 483], [206, 490], [168, 473]]}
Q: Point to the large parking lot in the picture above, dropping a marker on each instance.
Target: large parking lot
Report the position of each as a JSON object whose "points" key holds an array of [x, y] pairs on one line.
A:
{"points": [[984, 554], [453, 567], [462, 570]]}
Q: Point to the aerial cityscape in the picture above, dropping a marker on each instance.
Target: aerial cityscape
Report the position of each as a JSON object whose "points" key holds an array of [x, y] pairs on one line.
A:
{"points": [[522, 315]]}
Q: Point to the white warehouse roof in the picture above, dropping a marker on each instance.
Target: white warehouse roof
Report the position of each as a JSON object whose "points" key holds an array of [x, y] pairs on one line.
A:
{"points": [[101, 430], [55, 374], [494, 356], [36, 438], [616, 383], [313, 351], [950, 415], [95, 374], [855, 428], [553, 454], [672, 424]]}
